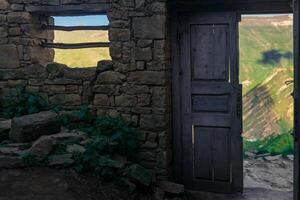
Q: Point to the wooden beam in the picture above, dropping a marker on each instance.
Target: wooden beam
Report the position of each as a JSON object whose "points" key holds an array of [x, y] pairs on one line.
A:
{"points": [[75, 45], [243, 7], [70, 10], [74, 28]]}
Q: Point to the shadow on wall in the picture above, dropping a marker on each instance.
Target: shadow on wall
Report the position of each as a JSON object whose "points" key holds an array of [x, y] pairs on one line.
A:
{"points": [[274, 56]]}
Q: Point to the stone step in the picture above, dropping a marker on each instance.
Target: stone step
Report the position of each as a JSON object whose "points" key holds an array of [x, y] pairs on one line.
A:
{"points": [[30, 127]]}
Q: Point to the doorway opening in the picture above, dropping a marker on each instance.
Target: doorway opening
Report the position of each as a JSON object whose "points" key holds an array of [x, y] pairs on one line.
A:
{"points": [[266, 73]]}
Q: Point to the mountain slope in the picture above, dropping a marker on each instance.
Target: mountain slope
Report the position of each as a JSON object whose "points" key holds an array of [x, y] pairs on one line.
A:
{"points": [[265, 66]]}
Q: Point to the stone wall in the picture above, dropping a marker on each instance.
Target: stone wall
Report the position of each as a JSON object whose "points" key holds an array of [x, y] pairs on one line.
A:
{"points": [[134, 85]]}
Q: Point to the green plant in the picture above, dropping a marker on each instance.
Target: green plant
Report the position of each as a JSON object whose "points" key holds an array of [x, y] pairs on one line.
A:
{"points": [[276, 145], [21, 102], [33, 160], [109, 140]]}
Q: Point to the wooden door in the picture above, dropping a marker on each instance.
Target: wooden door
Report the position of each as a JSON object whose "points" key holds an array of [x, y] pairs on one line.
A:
{"points": [[210, 103], [296, 99]]}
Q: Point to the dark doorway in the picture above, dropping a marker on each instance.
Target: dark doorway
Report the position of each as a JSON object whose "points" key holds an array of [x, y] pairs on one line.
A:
{"points": [[185, 87]]}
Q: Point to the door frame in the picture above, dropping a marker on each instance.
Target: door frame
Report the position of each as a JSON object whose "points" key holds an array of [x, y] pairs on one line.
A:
{"points": [[177, 7]]}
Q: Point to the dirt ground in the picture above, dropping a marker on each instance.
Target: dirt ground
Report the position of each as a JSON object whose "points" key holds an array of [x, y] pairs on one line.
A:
{"points": [[46, 184], [270, 179]]}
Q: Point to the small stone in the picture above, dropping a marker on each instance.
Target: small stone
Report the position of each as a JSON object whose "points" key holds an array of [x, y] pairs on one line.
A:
{"points": [[9, 51], [171, 188], [8, 162], [75, 148], [110, 77], [139, 174], [42, 147], [272, 158], [61, 160], [104, 65], [4, 129]]}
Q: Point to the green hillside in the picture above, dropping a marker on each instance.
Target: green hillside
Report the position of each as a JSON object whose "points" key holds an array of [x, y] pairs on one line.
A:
{"points": [[265, 65], [255, 40]]}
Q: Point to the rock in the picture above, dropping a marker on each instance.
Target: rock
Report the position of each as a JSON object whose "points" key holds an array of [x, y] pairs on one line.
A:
{"points": [[66, 99], [63, 159], [158, 194], [171, 188], [80, 73], [272, 158], [30, 127], [110, 77], [101, 100], [147, 78], [9, 51], [11, 162], [104, 65], [149, 27], [139, 174], [45, 144], [291, 157], [4, 5], [4, 129], [143, 54], [7, 150], [55, 70], [75, 148], [19, 17], [42, 147], [121, 160]]}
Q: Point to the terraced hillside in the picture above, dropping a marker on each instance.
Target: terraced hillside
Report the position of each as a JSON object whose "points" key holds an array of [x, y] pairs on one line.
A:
{"points": [[265, 66]]}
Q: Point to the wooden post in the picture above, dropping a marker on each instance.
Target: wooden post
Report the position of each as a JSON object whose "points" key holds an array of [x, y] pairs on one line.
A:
{"points": [[296, 98]]}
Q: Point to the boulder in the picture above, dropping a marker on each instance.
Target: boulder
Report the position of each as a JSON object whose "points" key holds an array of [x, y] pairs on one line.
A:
{"points": [[45, 144], [42, 147], [171, 188], [61, 159], [139, 175], [75, 148], [30, 127], [11, 162], [4, 129]]}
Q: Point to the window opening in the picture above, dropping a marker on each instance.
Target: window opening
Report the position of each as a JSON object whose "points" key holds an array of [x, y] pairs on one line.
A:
{"points": [[79, 41]]}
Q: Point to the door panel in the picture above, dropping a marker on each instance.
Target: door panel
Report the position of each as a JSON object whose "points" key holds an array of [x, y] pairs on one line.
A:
{"points": [[210, 97], [209, 63]]}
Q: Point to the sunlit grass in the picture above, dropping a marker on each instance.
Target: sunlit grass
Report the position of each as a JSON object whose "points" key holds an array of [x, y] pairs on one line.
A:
{"points": [[88, 57]]}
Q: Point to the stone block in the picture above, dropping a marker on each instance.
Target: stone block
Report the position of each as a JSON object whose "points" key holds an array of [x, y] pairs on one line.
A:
{"points": [[101, 100], [126, 100], [30, 127], [110, 77], [9, 51], [85, 74], [4, 129], [171, 188], [66, 99], [149, 27], [147, 77], [19, 17], [143, 54], [4, 5]]}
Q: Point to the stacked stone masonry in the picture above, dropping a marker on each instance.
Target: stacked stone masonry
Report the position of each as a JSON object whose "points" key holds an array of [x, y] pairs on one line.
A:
{"points": [[134, 85]]}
